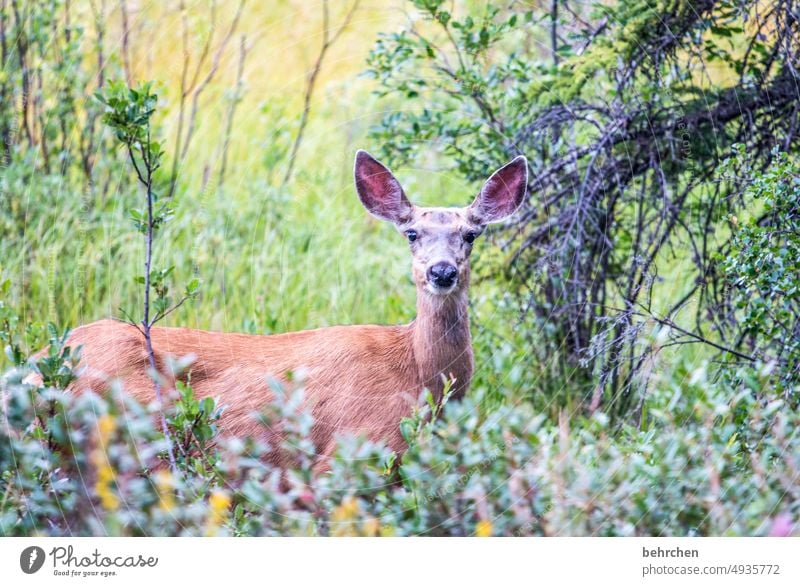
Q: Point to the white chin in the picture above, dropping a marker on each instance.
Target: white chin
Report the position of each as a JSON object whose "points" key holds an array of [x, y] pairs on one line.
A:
{"points": [[436, 290]]}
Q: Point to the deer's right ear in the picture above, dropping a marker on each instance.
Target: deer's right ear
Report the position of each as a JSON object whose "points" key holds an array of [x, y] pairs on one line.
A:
{"points": [[379, 191], [502, 194]]}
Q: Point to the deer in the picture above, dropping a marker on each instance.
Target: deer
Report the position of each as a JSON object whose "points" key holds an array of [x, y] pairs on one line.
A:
{"points": [[359, 379]]}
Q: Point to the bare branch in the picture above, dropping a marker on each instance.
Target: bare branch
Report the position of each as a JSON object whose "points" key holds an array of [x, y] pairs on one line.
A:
{"points": [[327, 41], [126, 30]]}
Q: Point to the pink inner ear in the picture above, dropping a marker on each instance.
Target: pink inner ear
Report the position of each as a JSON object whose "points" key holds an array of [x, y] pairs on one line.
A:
{"points": [[378, 182], [378, 189], [503, 192]]}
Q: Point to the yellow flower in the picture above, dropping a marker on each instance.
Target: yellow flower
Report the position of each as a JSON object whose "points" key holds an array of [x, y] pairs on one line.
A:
{"points": [[164, 487], [483, 528], [105, 472], [105, 477], [218, 504], [343, 517], [347, 510], [219, 501], [371, 527], [106, 426]]}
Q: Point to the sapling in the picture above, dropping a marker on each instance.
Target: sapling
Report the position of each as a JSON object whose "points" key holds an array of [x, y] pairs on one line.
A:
{"points": [[128, 112]]}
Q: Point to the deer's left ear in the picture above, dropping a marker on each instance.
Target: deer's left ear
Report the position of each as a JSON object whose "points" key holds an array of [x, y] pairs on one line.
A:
{"points": [[502, 193], [379, 191]]}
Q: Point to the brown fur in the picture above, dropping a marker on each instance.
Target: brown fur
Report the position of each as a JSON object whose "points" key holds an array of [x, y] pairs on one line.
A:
{"points": [[358, 379]]}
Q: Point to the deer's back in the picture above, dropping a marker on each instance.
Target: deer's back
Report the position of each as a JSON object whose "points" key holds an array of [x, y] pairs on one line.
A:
{"points": [[357, 379]]}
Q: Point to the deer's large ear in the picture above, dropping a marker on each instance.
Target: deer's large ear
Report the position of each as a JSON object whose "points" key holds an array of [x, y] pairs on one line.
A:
{"points": [[379, 191], [502, 193]]}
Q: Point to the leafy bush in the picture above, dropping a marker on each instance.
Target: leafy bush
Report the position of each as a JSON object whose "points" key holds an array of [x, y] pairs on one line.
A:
{"points": [[624, 110], [762, 268], [709, 459]]}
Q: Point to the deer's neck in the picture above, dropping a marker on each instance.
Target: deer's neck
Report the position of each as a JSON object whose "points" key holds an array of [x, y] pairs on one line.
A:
{"points": [[441, 341]]}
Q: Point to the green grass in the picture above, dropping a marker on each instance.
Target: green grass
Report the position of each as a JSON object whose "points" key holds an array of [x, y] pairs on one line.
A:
{"points": [[271, 258]]}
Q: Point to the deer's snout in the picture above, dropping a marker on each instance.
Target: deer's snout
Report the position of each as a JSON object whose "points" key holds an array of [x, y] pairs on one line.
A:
{"points": [[442, 274]]}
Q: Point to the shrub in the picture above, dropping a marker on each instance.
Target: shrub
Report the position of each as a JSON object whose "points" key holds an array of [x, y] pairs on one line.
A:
{"points": [[709, 459], [762, 267], [624, 127]]}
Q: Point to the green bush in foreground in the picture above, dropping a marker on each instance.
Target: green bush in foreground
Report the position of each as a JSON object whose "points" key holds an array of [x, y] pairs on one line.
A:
{"points": [[709, 459]]}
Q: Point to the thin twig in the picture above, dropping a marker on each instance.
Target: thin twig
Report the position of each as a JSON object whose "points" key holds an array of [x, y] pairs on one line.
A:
{"points": [[235, 100], [126, 57], [327, 41], [146, 322], [209, 77], [554, 30], [695, 337]]}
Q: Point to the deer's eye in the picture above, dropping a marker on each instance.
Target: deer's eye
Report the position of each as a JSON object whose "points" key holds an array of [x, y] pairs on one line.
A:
{"points": [[469, 237], [411, 235]]}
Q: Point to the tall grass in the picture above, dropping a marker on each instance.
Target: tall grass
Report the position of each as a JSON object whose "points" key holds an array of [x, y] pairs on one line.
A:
{"points": [[271, 258]]}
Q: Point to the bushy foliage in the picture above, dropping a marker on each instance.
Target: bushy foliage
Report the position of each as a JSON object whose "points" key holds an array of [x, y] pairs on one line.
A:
{"points": [[709, 459], [762, 268], [624, 110]]}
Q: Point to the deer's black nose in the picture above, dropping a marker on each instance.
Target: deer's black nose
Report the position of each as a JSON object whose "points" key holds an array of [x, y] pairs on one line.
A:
{"points": [[442, 274]]}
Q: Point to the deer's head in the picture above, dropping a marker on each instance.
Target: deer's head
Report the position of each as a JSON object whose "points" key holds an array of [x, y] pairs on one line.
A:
{"points": [[440, 238]]}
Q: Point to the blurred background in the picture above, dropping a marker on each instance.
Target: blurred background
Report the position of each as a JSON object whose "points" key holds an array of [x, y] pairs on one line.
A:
{"points": [[644, 126], [269, 223]]}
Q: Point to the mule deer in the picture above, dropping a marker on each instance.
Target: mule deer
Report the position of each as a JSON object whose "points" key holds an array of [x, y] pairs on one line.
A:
{"points": [[360, 379]]}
